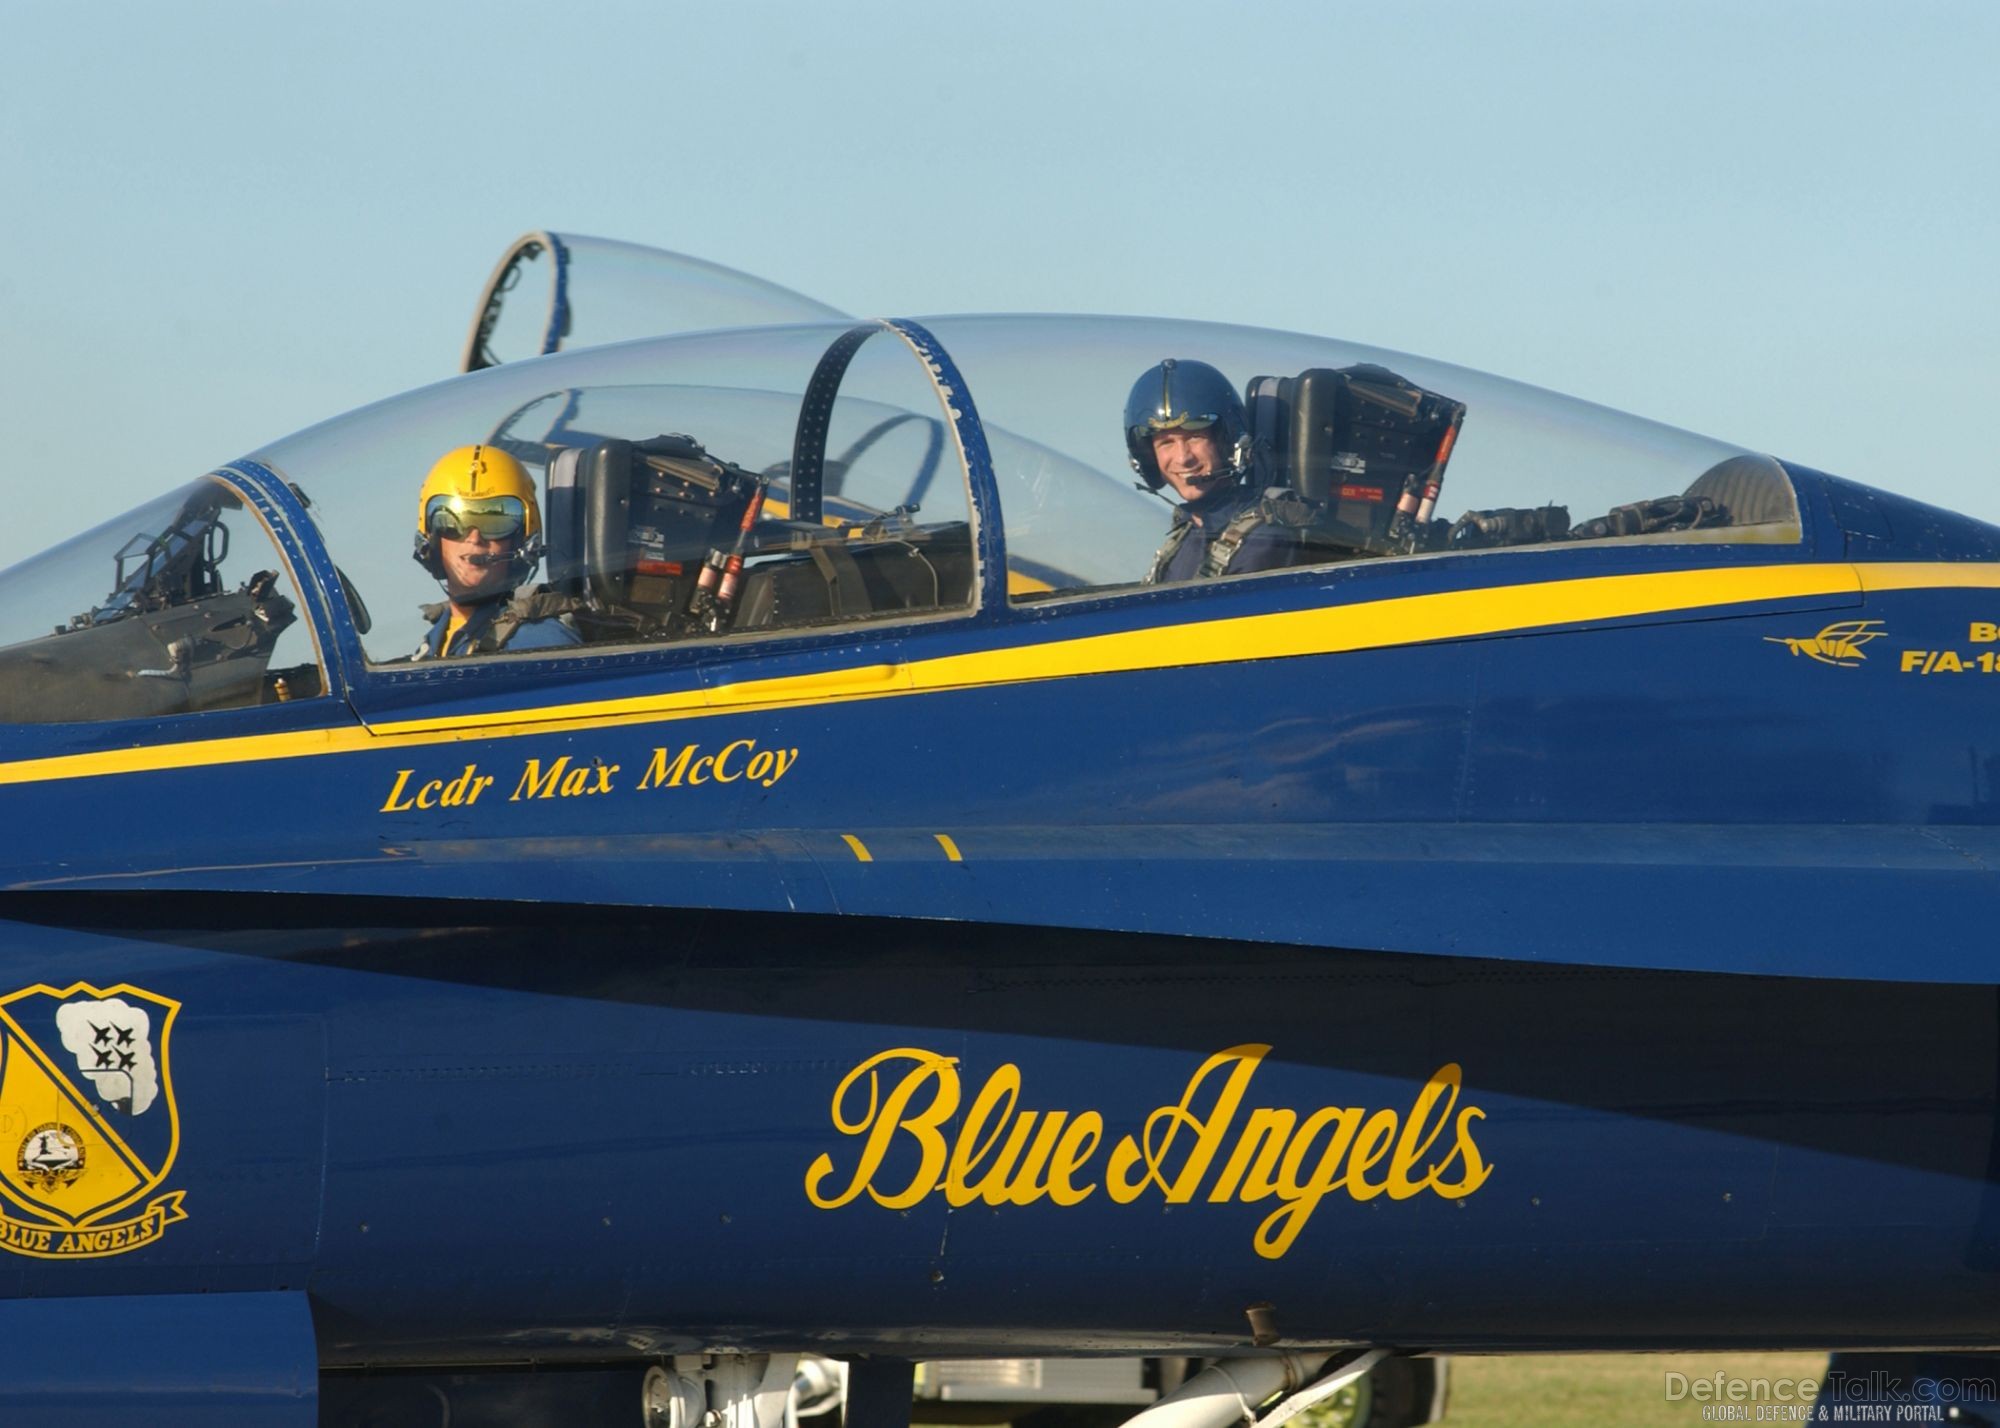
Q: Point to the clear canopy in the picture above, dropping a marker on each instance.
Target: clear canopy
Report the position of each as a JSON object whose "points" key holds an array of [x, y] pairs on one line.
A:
{"points": [[1511, 465], [728, 484]]}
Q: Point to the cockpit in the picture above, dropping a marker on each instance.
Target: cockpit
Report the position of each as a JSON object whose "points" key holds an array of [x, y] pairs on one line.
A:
{"points": [[819, 479]]}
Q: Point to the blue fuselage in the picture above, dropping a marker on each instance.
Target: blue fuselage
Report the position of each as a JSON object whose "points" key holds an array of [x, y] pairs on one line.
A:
{"points": [[1452, 955]]}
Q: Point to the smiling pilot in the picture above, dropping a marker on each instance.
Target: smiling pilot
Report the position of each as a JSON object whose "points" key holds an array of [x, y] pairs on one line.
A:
{"points": [[1185, 428], [477, 532]]}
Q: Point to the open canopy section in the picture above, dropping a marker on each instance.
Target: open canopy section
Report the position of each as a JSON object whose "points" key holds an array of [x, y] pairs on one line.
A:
{"points": [[552, 292], [717, 484]]}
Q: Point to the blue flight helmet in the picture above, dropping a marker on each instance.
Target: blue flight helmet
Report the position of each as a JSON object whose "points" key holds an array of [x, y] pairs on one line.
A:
{"points": [[1185, 396]]}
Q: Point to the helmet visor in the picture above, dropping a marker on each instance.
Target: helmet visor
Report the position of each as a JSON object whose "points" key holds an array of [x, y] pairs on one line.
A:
{"points": [[456, 517], [1181, 421]]}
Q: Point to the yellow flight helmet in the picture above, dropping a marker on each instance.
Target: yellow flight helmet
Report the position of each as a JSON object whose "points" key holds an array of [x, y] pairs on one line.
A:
{"points": [[483, 488]]}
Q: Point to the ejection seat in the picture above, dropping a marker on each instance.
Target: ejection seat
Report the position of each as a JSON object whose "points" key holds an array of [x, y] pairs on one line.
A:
{"points": [[631, 526], [1354, 442], [1351, 443]]}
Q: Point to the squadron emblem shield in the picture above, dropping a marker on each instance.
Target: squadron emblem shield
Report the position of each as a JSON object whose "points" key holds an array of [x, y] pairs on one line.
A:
{"points": [[88, 1123]]}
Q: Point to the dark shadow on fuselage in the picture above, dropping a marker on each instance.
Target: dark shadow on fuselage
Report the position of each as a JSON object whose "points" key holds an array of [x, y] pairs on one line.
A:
{"points": [[1893, 1073]]}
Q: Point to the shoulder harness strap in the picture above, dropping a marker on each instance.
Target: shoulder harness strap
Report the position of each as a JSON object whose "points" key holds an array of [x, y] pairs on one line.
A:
{"points": [[538, 604], [1177, 535], [431, 615], [1278, 506], [525, 609]]}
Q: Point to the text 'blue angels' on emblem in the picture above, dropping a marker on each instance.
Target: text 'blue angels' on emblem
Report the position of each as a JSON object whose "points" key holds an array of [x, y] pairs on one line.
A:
{"points": [[88, 1124]]}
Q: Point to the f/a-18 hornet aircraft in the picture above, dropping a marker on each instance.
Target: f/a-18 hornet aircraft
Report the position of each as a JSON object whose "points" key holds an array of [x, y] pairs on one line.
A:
{"points": [[821, 885]]}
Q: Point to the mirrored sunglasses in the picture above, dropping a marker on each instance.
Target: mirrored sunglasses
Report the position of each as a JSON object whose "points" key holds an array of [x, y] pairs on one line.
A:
{"points": [[456, 517]]}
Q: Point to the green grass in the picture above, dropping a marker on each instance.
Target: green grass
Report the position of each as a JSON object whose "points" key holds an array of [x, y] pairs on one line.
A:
{"points": [[1557, 1390]]}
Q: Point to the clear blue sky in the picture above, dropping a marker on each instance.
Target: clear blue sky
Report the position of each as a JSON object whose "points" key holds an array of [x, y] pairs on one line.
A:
{"points": [[1775, 223]]}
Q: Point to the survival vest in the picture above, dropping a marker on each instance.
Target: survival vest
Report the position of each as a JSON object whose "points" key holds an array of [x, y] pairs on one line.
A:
{"points": [[489, 636], [1278, 506]]}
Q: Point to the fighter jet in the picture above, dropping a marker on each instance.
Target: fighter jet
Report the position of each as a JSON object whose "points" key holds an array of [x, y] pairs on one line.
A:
{"points": [[824, 882]]}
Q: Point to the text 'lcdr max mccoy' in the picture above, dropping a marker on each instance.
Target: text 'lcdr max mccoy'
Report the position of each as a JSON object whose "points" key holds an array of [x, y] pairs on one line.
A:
{"points": [[1209, 1144]]}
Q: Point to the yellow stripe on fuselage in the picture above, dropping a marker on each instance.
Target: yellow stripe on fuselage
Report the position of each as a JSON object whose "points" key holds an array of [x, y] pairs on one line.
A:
{"points": [[1335, 629], [1927, 575]]}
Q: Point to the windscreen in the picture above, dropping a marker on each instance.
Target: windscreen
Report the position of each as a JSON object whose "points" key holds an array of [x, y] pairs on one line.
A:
{"points": [[185, 604]]}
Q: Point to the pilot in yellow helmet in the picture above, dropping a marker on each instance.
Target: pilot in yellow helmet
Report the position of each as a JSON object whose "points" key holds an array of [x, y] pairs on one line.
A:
{"points": [[478, 532]]}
